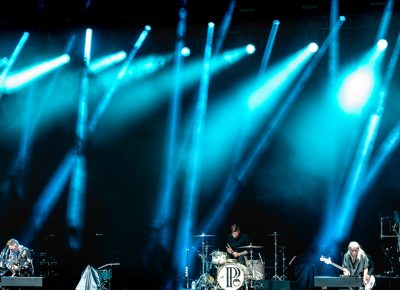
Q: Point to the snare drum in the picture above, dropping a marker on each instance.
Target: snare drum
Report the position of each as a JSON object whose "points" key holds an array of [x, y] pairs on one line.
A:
{"points": [[231, 276], [218, 258]]}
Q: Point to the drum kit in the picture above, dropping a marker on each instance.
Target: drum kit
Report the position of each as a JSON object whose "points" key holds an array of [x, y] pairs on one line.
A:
{"points": [[229, 273]]}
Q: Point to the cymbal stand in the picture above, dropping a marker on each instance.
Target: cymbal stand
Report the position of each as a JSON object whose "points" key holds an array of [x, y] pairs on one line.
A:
{"points": [[283, 264], [275, 277], [251, 267], [204, 281]]}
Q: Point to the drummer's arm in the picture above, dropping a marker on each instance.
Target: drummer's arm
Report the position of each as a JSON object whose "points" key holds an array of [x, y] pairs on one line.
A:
{"points": [[237, 254], [229, 249]]}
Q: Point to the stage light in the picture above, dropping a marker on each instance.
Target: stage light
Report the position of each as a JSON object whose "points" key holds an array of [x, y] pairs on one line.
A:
{"points": [[185, 51], [88, 45], [382, 44], [250, 49], [211, 24], [342, 18], [138, 43], [312, 47], [276, 22]]}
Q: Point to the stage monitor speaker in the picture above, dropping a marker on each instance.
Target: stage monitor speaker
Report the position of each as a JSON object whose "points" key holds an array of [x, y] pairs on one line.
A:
{"points": [[276, 285], [22, 281]]}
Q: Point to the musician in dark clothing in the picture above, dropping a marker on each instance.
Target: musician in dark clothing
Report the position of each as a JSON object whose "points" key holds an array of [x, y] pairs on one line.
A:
{"points": [[234, 241], [371, 267], [15, 259]]}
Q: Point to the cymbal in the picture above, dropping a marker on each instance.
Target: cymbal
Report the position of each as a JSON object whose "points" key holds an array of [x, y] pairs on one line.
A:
{"points": [[203, 235], [274, 234], [251, 247]]}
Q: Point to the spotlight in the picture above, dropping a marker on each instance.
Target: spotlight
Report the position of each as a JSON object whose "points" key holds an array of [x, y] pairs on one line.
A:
{"points": [[382, 44], [342, 18], [185, 51], [276, 22], [312, 47], [250, 49], [147, 27], [211, 24], [356, 90]]}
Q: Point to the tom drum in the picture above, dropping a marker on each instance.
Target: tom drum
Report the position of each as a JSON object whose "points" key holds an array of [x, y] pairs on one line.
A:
{"points": [[256, 269], [218, 258]]}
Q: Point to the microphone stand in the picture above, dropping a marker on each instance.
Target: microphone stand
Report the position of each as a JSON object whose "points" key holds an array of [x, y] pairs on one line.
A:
{"points": [[187, 269]]}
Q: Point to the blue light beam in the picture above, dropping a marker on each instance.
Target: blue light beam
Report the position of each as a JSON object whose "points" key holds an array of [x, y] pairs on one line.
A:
{"points": [[22, 78], [224, 27], [240, 174], [13, 58], [102, 106], [48, 198], [75, 206], [189, 206], [269, 46], [103, 63], [164, 208]]}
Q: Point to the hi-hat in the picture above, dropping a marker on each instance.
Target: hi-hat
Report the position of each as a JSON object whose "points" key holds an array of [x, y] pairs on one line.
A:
{"points": [[251, 247], [203, 235], [274, 234]]}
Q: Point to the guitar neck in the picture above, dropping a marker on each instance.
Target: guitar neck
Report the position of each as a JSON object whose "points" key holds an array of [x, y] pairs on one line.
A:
{"points": [[337, 266]]}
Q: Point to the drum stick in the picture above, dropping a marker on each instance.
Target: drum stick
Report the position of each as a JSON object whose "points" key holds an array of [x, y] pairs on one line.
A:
{"points": [[260, 258]]}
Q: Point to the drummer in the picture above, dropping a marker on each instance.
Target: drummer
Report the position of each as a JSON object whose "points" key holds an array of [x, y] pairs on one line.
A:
{"points": [[234, 241]]}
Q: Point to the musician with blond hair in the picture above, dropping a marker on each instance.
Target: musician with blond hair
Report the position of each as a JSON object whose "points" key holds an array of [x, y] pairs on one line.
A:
{"points": [[356, 262]]}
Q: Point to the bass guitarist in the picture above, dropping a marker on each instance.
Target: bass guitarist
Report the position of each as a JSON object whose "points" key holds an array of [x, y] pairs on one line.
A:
{"points": [[356, 262]]}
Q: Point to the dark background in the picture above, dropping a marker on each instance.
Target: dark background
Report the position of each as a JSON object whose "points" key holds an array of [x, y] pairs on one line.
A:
{"points": [[285, 192]]}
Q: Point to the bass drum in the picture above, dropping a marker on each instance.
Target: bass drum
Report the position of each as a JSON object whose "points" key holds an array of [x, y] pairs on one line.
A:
{"points": [[231, 276]]}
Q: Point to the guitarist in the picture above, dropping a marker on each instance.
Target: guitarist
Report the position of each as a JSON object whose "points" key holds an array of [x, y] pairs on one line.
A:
{"points": [[356, 262], [17, 259]]}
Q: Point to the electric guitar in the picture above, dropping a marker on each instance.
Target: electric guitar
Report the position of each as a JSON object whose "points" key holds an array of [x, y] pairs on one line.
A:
{"points": [[368, 286]]}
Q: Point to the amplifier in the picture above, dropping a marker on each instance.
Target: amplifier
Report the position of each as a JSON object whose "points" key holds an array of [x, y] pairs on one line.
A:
{"points": [[22, 281]]}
